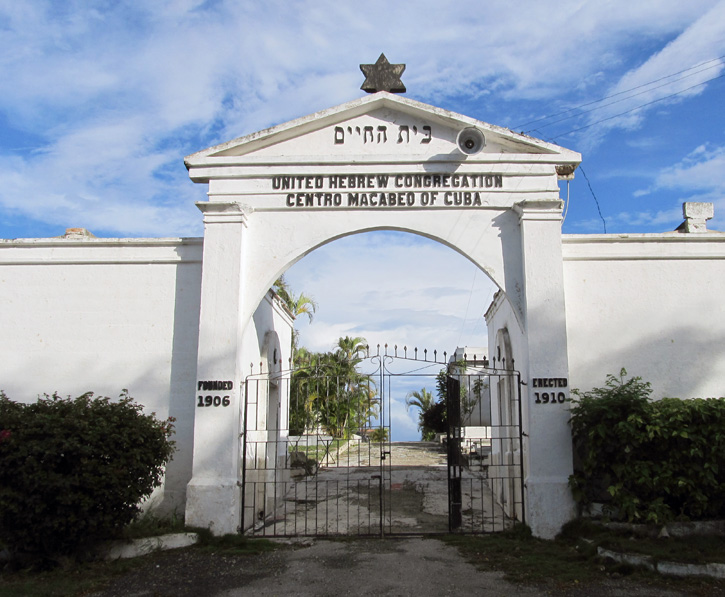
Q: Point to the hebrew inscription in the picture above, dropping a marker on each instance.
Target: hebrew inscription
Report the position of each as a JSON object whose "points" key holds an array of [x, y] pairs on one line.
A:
{"points": [[379, 135]]}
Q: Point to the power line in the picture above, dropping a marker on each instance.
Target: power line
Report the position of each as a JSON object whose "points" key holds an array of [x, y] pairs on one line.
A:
{"points": [[637, 107], [595, 198], [624, 99], [591, 190], [520, 126]]}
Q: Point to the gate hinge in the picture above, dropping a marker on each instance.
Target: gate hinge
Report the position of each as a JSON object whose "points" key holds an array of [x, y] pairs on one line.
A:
{"points": [[240, 484], [524, 434]]}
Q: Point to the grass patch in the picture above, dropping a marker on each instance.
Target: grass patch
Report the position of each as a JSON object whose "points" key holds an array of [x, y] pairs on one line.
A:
{"points": [[526, 559], [571, 561], [234, 544], [319, 451], [690, 550]]}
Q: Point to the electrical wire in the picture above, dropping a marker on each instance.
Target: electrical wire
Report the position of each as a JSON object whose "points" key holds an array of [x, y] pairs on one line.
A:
{"points": [[581, 128], [595, 198], [624, 99], [520, 126]]}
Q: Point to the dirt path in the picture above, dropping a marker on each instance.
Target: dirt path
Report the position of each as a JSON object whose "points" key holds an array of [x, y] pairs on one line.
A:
{"points": [[413, 566], [403, 567]]}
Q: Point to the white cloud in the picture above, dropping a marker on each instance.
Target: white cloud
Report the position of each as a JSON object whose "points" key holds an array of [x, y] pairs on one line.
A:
{"points": [[702, 169], [392, 288], [116, 93], [699, 43]]}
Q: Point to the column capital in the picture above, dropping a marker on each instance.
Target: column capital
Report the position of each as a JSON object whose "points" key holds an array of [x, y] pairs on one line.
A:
{"points": [[539, 209], [218, 212]]}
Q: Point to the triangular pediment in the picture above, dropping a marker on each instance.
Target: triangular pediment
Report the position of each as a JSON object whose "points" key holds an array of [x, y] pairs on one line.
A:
{"points": [[378, 128]]}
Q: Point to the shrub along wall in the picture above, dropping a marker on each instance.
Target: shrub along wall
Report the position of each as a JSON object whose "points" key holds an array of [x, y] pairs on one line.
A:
{"points": [[72, 471], [649, 461]]}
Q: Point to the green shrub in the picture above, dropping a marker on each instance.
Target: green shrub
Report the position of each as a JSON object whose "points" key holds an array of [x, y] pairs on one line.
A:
{"points": [[72, 471], [434, 419], [648, 461]]}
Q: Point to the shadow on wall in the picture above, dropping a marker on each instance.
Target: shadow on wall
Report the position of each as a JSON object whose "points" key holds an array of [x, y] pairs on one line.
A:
{"points": [[510, 236], [679, 362]]}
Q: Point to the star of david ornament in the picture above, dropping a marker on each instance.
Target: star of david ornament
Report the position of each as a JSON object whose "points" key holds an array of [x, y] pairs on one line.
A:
{"points": [[383, 76]]}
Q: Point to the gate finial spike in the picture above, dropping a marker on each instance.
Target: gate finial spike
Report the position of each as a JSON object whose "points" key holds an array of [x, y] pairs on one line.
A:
{"points": [[425, 354], [435, 356], [405, 351], [396, 350], [378, 349], [445, 356]]}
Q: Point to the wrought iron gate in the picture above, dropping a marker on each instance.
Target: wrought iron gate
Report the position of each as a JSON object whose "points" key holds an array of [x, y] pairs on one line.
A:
{"points": [[317, 456]]}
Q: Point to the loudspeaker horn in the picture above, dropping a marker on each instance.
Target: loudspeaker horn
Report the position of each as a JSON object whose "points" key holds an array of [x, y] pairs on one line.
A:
{"points": [[470, 140]]}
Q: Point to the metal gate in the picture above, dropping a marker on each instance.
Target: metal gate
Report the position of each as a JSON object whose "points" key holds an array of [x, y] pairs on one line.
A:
{"points": [[317, 455]]}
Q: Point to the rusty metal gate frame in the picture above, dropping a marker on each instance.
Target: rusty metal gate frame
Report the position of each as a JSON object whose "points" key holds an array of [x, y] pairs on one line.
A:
{"points": [[270, 496]]}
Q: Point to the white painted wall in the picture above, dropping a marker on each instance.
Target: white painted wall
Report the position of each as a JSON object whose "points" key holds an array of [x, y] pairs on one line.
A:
{"points": [[101, 315], [80, 314], [652, 303]]}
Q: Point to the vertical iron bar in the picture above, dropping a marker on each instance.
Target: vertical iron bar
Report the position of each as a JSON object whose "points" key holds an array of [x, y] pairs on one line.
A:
{"points": [[244, 455], [382, 449], [521, 454], [453, 409]]}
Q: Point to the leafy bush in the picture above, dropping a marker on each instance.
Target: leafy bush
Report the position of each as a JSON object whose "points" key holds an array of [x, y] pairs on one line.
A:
{"points": [[72, 471], [648, 461], [434, 419]]}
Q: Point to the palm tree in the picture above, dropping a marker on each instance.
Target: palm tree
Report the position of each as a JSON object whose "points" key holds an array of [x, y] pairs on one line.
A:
{"points": [[353, 349], [329, 391], [422, 400], [298, 305]]}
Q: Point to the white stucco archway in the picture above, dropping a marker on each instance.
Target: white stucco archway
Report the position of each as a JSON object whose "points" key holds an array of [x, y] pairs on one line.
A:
{"points": [[381, 162]]}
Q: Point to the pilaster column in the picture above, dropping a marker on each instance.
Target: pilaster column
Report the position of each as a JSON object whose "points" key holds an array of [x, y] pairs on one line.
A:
{"points": [[213, 498], [548, 447]]}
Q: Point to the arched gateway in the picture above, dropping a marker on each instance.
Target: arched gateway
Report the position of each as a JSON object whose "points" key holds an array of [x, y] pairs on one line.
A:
{"points": [[382, 162]]}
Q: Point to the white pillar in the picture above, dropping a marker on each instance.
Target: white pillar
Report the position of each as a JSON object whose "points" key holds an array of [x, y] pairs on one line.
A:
{"points": [[213, 497], [548, 447]]}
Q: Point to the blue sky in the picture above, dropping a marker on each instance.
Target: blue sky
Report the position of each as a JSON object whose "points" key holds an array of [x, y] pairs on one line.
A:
{"points": [[101, 101]]}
